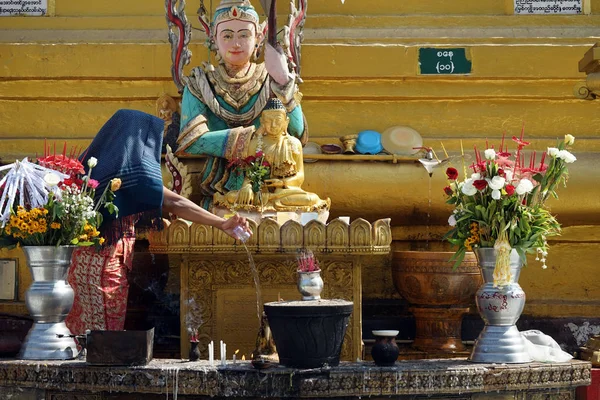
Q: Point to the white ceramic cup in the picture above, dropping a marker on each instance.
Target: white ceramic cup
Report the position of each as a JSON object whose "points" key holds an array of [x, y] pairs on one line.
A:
{"points": [[306, 217]]}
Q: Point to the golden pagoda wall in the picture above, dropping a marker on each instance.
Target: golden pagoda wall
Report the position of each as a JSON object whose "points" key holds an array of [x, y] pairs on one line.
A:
{"points": [[62, 76]]}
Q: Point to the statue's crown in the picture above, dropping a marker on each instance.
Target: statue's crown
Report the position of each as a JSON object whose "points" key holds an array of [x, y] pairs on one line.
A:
{"points": [[235, 9], [274, 104]]}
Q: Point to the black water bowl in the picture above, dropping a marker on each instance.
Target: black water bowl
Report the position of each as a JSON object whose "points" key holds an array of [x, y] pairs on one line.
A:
{"points": [[309, 334]]}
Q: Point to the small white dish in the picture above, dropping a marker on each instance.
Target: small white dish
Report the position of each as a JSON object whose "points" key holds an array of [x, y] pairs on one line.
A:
{"points": [[401, 140], [385, 333], [311, 148]]}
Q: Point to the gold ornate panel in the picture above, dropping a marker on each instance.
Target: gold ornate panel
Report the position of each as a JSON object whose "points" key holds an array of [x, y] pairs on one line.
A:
{"points": [[216, 273], [223, 288]]}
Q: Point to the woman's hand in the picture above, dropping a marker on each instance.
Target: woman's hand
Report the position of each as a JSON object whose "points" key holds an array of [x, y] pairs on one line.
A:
{"points": [[277, 65], [245, 195], [229, 225]]}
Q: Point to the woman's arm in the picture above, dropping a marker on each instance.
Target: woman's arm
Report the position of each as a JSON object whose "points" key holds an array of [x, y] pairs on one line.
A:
{"points": [[187, 209]]}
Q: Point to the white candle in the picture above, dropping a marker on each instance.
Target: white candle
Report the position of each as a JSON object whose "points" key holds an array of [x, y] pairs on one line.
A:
{"points": [[211, 353], [224, 354]]}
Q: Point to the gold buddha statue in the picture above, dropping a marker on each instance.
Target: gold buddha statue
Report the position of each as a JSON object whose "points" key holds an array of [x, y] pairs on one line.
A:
{"points": [[282, 190]]}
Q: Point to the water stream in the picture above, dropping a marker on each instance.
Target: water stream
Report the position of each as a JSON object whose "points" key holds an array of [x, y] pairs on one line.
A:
{"points": [[256, 284], [428, 228]]}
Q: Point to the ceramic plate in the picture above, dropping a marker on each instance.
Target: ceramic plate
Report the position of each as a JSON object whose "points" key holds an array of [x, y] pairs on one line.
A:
{"points": [[331, 149], [311, 148], [385, 333], [401, 140]]}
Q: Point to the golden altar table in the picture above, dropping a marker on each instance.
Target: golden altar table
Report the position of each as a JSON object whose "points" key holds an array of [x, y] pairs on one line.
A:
{"points": [[215, 273]]}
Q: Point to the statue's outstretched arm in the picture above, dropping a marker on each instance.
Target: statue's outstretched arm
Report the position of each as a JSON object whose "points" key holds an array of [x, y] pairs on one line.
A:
{"points": [[196, 137]]}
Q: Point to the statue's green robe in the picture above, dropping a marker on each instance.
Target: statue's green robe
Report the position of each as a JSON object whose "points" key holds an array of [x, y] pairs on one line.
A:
{"points": [[212, 126]]}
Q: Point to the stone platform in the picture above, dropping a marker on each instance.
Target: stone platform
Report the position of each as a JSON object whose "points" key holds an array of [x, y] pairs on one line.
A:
{"points": [[423, 379]]}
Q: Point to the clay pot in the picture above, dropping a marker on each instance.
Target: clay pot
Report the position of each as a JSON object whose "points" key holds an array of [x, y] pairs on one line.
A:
{"points": [[439, 295], [385, 351]]}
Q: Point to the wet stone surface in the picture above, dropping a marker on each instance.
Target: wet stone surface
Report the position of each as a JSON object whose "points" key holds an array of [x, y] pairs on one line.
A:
{"points": [[435, 379]]}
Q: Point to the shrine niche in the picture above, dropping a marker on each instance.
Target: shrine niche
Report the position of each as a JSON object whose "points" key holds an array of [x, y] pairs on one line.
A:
{"points": [[216, 274]]}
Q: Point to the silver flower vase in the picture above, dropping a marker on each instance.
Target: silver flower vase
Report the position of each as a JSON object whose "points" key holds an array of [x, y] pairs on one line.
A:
{"points": [[49, 300], [310, 285], [500, 307]]}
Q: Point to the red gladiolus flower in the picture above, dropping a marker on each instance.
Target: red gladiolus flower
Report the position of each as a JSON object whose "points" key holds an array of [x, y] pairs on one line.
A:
{"points": [[72, 181], [510, 189], [520, 142], [448, 190], [480, 184], [259, 154], [478, 167], [452, 173]]}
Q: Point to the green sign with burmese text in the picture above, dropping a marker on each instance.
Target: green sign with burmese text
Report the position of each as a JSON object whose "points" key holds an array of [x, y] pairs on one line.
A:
{"points": [[434, 61]]}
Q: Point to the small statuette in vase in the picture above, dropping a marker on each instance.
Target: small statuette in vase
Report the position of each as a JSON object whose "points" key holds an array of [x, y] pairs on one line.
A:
{"points": [[310, 285], [194, 352], [385, 351]]}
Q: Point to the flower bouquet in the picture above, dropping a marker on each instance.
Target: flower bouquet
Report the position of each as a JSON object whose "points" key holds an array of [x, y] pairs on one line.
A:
{"points": [[256, 168], [50, 202], [502, 203]]}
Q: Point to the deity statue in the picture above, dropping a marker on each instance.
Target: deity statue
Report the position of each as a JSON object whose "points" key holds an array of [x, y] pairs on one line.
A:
{"points": [[283, 153], [222, 105]]}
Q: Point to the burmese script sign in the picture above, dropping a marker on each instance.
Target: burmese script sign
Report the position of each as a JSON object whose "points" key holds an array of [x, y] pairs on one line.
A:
{"points": [[23, 7], [548, 6], [434, 61]]}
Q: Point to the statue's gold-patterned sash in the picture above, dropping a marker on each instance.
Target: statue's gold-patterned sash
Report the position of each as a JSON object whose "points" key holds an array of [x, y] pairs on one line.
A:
{"points": [[237, 90], [199, 86]]}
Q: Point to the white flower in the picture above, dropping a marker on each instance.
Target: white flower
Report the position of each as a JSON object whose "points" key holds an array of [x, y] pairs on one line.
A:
{"points": [[490, 154], [496, 194], [496, 183], [476, 176], [552, 151], [569, 139], [452, 220], [92, 162], [509, 175], [566, 156], [524, 186], [51, 179], [468, 188]]}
